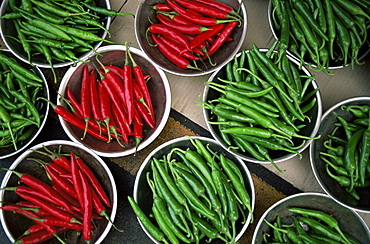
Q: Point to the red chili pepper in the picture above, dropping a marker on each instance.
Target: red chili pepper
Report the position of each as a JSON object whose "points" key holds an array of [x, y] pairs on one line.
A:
{"points": [[196, 17], [40, 236], [190, 29], [204, 9], [95, 108], [53, 210], [218, 5], [178, 19], [139, 77], [61, 182], [138, 134], [53, 221], [222, 37], [169, 31], [74, 102], [69, 198], [95, 184], [119, 116], [85, 98], [144, 114], [185, 54], [71, 118], [205, 35], [171, 54], [137, 118], [87, 208], [195, 50], [33, 229], [36, 210], [42, 187], [162, 7], [76, 178], [127, 87]]}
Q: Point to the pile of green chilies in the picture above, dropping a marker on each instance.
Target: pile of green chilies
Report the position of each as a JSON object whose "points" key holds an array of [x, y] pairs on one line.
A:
{"points": [[348, 150], [323, 33], [199, 194], [57, 31], [308, 226], [262, 105], [19, 109]]}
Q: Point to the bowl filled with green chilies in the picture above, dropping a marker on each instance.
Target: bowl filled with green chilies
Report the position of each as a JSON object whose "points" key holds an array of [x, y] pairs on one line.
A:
{"points": [[53, 34], [22, 114], [310, 218], [340, 158], [189, 183], [322, 34], [261, 108]]}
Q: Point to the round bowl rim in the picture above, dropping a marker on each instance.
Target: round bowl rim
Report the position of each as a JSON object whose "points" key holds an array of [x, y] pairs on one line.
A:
{"points": [[72, 144], [186, 138], [311, 154], [43, 122], [289, 155], [238, 46], [56, 65], [158, 129]]}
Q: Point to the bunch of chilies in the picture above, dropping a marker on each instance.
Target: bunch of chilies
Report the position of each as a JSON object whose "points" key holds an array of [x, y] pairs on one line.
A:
{"points": [[260, 103], [20, 111], [323, 33], [190, 31], [73, 199], [116, 105], [307, 226], [197, 194], [56, 31], [348, 150]]}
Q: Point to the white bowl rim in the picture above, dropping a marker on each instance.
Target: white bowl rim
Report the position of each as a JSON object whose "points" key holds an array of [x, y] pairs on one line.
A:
{"points": [[166, 113], [289, 155], [316, 194], [311, 152], [186, 138], [73, 144], [238, 46]]}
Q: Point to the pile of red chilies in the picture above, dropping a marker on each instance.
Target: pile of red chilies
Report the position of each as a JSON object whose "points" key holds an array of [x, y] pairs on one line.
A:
{"points": [[71, 201], [189, 31], [114, 102]]}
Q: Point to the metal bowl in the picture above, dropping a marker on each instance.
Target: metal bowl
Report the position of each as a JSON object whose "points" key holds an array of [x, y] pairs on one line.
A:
{"points": [[158, 87], [143, 195], [349, 221], [278, 156], [6, 152], [145, 13], [14, 225], [329, 185], [8, 31], [333, 64]]}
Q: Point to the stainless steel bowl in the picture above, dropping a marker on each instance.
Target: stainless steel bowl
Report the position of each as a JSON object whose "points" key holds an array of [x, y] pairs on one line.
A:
{"points": [[349, 221], [222, 56], [14, 225], [8, 31], [6, 152], [143, 195], [278, 156], [329, 185], [333, 64], [158, 87]]}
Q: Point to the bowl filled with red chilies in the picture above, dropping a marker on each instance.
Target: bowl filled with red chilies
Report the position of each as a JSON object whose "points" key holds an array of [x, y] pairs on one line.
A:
{"points": [[58, 191], [193, 180], [310, 218], [262, 107], [116, 104], [190, 38], [340, 158], [323, 34]]}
